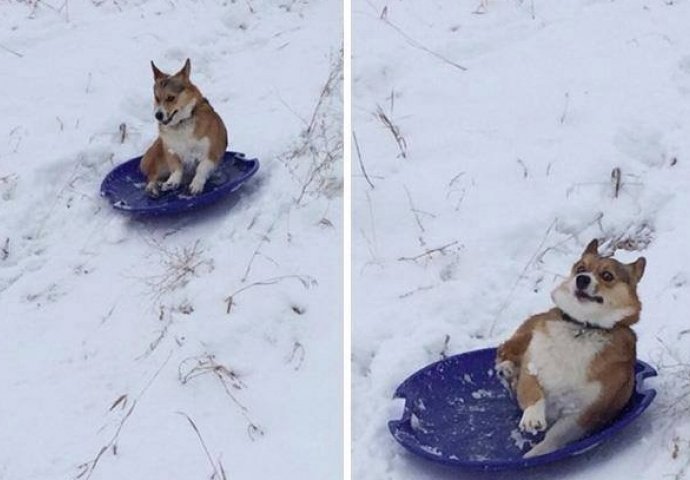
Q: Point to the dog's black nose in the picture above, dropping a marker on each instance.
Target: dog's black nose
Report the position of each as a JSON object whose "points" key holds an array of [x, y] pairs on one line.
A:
{"points": [[582, 281], [159, 116]]}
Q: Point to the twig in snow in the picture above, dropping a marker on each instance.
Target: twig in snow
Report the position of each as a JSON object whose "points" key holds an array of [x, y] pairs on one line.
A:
{"points": [[373, 243], [86, 469], [321, 141], [422, 47], [161, 335], [361, 161], [444, 350], [298, 354], [394, 129], [416, 213], [203, 445], [525, 172], [416, 290], [5, 252], [565, 107], [181, 265], [616, 180], [123, 132], [305, 280], [429, 252], [13, 52], [121, 400], [207, 364], [531, 260], [264, 239]]}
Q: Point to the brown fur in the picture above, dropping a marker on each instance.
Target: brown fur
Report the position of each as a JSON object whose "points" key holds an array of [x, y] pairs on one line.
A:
{"points": [[172, 93], [612, 367]]}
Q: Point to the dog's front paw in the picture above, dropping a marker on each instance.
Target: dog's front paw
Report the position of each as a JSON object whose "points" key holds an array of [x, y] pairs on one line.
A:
{"points": [[152, 189], [173, 181], [506, 369], [197, 186], [534, 418], [168, 185]]}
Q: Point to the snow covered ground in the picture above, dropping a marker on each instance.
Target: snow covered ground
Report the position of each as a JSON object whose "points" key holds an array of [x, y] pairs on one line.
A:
{"points": [[120, 357], [500, 140]]}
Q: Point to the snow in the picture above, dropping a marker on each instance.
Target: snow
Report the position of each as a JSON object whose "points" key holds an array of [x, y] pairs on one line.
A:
{"points": [[116, 341], [570, 122]]}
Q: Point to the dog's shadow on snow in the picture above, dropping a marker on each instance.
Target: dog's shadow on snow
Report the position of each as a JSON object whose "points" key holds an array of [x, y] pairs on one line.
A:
{"points": [[578, 466]]}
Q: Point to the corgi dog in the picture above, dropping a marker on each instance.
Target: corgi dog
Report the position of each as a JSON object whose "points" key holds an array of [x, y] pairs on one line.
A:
{"points": [[572, 368], [191, 135]]}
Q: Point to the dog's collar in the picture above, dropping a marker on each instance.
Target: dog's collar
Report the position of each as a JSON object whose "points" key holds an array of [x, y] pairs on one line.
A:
{"points": [[584, 326]]}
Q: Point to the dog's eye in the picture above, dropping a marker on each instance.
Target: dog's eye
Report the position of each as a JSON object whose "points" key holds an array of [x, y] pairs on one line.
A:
{"points": [[170, 98], [606, 276], [580, 269], [158, 100]]}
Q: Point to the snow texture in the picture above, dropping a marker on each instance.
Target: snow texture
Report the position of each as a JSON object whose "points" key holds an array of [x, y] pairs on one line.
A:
{"points": [[493, 141], [121, 355]]}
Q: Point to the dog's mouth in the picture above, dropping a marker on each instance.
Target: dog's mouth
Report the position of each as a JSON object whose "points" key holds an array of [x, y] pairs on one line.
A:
{"points": [[582, 296], [169, 119]]}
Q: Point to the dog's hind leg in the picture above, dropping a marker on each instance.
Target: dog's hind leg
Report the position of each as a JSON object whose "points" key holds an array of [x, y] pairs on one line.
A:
{"points": [[530, 397], [565, 430], [152, 165]]}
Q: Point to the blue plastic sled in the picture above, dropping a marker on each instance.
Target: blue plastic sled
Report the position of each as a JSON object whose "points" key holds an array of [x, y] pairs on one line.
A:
{"points": [[125, 186], [458, 412]]}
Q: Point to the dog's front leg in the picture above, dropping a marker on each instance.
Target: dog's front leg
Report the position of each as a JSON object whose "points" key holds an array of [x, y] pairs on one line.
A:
{"points": [[176, 168], [203, 171], [509, 354]]}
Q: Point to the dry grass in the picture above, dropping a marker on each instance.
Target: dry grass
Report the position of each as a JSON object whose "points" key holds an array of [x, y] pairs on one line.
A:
{"points": [[180, 265], [85, 470], [677, 368], [201, 365], [429, 253], [306, 281], [218, 470], [387, 122], [315, 162]]}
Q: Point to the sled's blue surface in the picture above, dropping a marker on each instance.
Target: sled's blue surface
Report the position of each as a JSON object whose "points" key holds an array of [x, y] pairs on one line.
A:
{"points": [[125, 186], [458, 412]]}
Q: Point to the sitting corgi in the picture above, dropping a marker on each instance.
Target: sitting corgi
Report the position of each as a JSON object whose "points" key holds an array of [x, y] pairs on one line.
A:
{"points": [[572, 368], [190, 134]]}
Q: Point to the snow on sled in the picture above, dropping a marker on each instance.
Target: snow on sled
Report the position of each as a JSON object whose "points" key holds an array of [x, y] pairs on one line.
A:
{"points": [[458, 412], [125, 187]]}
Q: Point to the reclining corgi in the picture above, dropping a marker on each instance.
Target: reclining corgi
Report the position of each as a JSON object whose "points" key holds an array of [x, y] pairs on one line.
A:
{"points": [[572, 368], [190, 134]]}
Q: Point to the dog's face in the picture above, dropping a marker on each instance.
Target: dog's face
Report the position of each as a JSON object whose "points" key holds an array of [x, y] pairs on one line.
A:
{"points": [[173, 95], [600, 290]]}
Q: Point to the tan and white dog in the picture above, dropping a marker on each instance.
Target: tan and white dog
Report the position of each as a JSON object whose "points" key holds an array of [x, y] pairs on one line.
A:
{"points": [[572, 368], [190, 134]]}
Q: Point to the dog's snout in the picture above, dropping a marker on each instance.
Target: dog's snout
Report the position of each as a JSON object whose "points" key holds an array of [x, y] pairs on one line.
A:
{"points": [[582, 281], [159, 115]]}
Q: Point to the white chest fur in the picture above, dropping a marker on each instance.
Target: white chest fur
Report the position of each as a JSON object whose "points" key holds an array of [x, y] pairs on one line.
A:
{"points": [[181, 141], [560, 359]]}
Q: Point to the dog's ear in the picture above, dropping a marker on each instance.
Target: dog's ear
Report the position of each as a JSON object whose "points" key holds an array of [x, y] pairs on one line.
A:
{"points": [[637, 268], [184, 73], [157, 74], [592, 248]]}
